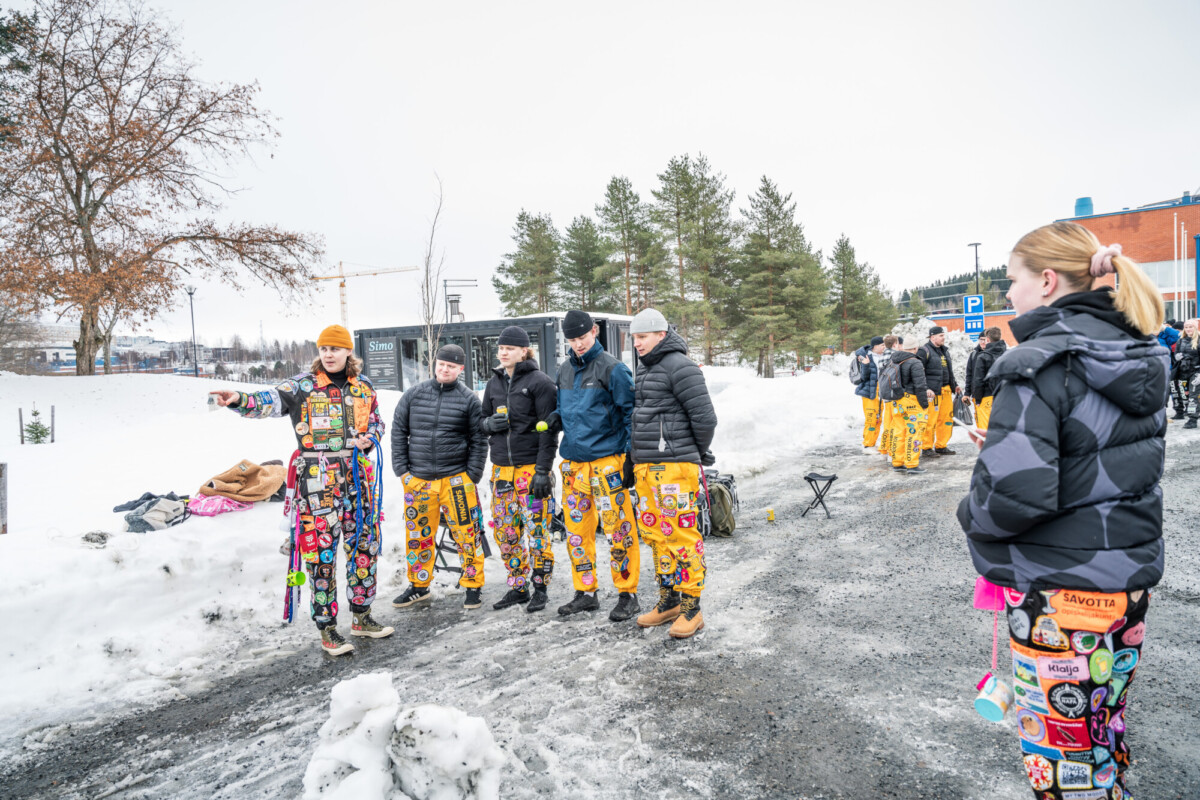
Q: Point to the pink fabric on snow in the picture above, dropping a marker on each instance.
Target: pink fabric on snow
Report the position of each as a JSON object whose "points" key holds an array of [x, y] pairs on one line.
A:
{"points": [[210, 506]]}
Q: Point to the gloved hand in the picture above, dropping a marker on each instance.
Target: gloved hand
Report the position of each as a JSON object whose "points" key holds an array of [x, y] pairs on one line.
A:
{"points": [[707, 458], [554, 422], [496, 423], [1179, 356], [627, 479], [540, 486]]}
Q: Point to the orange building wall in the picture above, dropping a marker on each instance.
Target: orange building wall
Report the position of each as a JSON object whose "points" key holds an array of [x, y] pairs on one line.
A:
{"points": [[1147, 235], [992, 319]]}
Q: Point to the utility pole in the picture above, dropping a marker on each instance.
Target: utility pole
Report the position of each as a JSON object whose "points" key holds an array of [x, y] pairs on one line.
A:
{"points": [[191, 290], [976, 246]]}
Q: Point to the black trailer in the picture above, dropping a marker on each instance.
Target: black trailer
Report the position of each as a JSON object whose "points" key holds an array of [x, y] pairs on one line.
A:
{"points": [[398, 358]]}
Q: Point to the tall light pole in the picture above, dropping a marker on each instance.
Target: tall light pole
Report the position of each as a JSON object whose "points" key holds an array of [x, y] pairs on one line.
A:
{"points": [[455, 282], [976, 246], [191, 290]]}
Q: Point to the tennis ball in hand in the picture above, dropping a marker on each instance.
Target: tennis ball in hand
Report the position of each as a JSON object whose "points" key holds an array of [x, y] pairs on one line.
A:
{"points": [[541, 427]]}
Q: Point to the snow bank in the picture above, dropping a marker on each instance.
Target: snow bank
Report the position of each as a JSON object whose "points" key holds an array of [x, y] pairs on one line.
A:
{"points": [[369, 749], [761, 423]]}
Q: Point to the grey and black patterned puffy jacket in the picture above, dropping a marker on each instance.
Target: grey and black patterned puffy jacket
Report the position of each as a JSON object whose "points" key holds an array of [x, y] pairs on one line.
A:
{"points": [[1066, 490]]}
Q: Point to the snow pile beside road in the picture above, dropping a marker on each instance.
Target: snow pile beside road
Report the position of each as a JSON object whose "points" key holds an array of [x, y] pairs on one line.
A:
{"points": [[370, 749], [763, 422]]}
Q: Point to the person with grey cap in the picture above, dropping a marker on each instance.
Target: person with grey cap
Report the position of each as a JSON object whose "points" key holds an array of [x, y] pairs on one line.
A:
{"points": [[517, 399], [595, 404], [438, 451], [673, 427]]}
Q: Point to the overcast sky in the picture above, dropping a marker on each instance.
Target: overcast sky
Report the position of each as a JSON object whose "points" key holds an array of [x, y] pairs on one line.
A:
{"points": [[912, 128]]}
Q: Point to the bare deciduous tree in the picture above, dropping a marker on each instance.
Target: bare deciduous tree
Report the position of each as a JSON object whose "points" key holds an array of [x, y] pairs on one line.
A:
{"points": [[432, 269], [110, 182]]}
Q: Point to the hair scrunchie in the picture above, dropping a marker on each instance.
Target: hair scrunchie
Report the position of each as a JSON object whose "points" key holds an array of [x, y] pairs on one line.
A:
{"points": [[1102, 260]]}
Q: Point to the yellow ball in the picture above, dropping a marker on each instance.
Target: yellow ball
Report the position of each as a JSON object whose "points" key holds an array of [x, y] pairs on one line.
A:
{"points": [[541, 427]]}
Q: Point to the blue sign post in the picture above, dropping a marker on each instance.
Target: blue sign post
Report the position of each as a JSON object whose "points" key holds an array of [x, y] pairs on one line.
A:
{"points": [[973, 316]]}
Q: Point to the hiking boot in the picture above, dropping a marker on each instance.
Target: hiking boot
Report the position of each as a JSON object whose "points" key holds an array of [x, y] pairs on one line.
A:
{"points": [[914, 470], [474, 598], [944, 451], [412, 595], [666, 610], [690, 621], [333, 642], [1178, 415], [538, 601], [899, 468], [365, 625], [511, 598], [1191, 423], [582, 602], [627, 606], [929, 454]]}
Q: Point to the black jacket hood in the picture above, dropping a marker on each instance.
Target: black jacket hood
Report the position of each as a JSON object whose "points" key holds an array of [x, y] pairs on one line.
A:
{"points": [[672, 343]]}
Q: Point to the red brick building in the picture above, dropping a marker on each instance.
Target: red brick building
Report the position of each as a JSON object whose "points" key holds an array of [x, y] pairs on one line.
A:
{"points": [[1151, 236]]}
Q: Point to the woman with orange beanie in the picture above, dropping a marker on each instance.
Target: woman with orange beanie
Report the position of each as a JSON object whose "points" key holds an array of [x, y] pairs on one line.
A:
{"points": [[335, 414]]}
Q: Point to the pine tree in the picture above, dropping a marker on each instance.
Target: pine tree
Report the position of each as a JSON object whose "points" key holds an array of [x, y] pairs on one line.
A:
{"points": [[709, 252], [674, 199], [582, 278], [776, 258], [525, 279], [916, 307], [859, 306], [35, 430], [622, 215]]}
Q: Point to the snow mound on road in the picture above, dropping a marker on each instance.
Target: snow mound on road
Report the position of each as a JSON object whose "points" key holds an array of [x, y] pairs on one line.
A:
{"points": [[370, 748]]}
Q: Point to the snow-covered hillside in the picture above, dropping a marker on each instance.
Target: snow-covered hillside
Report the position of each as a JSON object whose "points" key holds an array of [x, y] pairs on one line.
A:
{"points": [[148, 615]]}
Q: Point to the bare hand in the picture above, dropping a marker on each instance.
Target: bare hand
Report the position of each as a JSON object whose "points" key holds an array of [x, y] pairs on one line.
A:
{"points": [[929, 393], [226, 399], [362, 442], [977, 436], [958, 391]]}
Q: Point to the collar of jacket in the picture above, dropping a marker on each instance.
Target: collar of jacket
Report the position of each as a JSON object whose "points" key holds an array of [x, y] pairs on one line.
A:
{"points": [[590, 355], [1097, 303], [445, 387], [902, 355], [671, 343], [522, 367], [323, 380]]}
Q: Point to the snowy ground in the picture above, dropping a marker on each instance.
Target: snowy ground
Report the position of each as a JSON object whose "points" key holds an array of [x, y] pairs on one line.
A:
{"points": [[830, 666]]}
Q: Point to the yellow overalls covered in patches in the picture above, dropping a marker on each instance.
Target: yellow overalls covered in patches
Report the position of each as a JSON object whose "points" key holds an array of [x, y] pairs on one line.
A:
{"points": [[521, 527], [425, 502], [885, 424], [667, 519], [592, 491], [910, 425]]}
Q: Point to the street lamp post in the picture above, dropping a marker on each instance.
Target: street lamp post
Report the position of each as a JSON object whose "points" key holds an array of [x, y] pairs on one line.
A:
{"points": [[191, 291], [976, 246]]}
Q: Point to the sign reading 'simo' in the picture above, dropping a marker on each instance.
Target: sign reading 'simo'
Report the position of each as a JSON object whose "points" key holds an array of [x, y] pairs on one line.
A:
{"points": [[973, 304], [381, 347]]}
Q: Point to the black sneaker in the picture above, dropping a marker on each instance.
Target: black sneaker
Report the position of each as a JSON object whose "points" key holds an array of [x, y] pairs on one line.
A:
{"points": [[511, 598], [1191, 423], [474, 598], [582, 602], [899, 468], [1178, 415], [627, 606], [929, 454], [411, 596], [538, 601], [944, 451], [914, 470]]}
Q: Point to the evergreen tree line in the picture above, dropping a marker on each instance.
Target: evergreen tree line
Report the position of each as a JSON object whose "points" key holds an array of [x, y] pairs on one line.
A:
{"points": [[739, 282], [946, 295]]}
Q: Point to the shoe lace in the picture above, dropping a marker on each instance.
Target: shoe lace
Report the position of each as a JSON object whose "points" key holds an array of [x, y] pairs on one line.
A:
{"points": [[689, 605], [666, 599], [332, 635]]}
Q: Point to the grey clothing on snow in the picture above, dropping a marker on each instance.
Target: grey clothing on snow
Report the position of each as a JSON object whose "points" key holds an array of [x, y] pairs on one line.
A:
{"points": [[1066, 491]]}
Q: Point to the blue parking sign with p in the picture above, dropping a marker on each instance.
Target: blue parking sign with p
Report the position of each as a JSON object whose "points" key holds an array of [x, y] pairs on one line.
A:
{"points": [[973, 304]]}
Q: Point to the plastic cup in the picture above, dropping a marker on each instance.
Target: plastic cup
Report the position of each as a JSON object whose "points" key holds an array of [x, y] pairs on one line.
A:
{"points": [[995, 698], [770, 515]]}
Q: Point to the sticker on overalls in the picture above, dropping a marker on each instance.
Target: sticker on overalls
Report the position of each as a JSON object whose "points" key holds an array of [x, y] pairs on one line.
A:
{"points": [[462, 511], [1074, 775]]}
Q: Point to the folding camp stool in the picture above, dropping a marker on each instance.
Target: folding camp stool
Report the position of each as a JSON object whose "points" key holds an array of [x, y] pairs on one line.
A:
{"points": [[447, 545], [820, 485]]}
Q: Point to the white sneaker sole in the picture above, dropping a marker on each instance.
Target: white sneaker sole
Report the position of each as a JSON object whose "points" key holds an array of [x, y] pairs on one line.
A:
{"points": [[388, 631], [337, 651], [414, 601]]}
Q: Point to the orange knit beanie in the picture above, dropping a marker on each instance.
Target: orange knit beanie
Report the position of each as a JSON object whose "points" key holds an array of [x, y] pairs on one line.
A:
{"points": [[335, 336]]}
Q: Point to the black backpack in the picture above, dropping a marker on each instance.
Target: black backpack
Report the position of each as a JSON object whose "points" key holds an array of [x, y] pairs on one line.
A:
{"points": [[890, 386]]}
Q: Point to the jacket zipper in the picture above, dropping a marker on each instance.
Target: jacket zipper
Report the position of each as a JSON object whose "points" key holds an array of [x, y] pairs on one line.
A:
{"points": [[437, 411], [508, 406]]}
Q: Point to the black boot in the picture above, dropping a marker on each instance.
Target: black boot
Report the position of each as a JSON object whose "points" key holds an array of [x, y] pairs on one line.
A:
{"points": [[582, 602], [511, 598], [1191, 423], [474, 598], [1178, 414], [627, 606], [537, 602]]}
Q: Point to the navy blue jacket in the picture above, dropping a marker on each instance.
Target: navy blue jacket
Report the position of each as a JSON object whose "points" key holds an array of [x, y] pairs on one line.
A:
{"points": [[595, 403], [869, 372]]}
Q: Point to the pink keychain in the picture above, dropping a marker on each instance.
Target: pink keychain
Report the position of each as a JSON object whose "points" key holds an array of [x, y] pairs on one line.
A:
{"points": [[995, 696]]}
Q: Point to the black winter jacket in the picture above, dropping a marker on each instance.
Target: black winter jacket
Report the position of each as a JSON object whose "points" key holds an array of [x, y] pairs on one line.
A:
{"points": [[969, 389], [1188, 362], [436, 432], [912, 375], [939, 371], [531, 397], [1065, 494], [981, 382], [673, 416]]}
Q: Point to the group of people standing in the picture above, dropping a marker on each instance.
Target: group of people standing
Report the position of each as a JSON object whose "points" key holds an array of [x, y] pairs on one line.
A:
{"points": [[632, 455], [908, 392], [1183, 339]]}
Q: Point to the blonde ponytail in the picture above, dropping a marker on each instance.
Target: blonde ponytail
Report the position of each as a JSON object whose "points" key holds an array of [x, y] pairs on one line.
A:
{"points": [[1067, 249]]}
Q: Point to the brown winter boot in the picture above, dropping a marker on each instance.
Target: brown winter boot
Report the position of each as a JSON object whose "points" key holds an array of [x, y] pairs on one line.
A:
{"points": [[666, 610], [690, 620]]}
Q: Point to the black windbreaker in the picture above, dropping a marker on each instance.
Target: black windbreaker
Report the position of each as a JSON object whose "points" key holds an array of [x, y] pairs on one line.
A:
{"points": [[981, 385], [531, 397]]}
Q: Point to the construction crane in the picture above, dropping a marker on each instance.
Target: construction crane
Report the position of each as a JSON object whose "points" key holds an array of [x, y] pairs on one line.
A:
{"points": [[341, 279]]}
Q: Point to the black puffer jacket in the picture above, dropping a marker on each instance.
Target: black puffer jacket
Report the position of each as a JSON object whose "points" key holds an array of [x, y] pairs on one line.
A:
{"points": [[436, 432], [912, 375], [1187, 359], [532, 396], [673, 416], [982, 383], [939, 371], [1065, 493], [971, 359]]}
